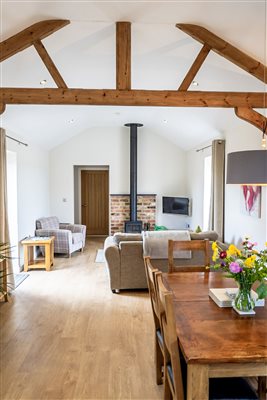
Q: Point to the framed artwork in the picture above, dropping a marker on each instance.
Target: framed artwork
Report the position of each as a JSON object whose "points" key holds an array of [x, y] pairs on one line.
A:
{"points": [[251, 200]]}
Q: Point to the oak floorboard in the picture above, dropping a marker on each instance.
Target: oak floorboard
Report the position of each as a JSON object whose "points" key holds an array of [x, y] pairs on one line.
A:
{"points": [[66, 336]]}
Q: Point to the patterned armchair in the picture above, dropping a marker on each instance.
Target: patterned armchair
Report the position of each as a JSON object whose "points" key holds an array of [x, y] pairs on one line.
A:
{"points": [[68, 237]]}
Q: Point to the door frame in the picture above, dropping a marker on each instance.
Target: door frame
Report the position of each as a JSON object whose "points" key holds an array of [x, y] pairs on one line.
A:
{"points": [[77, 189]]}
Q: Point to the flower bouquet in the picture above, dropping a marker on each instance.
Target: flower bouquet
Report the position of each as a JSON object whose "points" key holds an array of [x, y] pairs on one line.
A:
{"points": [[245, 266]]}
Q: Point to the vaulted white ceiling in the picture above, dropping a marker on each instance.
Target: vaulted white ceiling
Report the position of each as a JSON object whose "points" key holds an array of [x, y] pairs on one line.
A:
{"points": [[84, 53]]}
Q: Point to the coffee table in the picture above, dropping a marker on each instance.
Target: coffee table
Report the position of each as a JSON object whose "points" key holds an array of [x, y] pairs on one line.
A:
{"points": [[29, 259]]}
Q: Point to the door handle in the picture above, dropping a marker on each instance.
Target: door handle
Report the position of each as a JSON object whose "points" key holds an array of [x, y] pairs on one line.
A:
{"points": [[84, 205]]}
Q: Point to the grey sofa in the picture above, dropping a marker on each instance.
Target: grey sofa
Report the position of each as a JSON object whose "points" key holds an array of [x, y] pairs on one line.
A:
{"points": [[125, 263], [68, 237]]}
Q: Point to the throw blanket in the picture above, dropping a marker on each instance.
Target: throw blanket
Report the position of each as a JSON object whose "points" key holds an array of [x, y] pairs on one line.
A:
{"points": [[155, 243]]}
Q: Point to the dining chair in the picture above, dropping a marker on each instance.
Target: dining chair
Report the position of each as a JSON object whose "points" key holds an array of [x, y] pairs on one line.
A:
{"points": [[151, 283], [189, 245], [173, 379], [174, 364]]}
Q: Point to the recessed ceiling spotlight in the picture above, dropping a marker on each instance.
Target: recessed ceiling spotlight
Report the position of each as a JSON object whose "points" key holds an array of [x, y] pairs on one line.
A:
{"points": [[165, 121], [195, 83], [43, 82], [71, 121]]}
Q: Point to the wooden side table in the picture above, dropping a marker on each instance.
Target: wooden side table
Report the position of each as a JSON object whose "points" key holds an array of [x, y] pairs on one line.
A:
{"points": [[30, 261]]}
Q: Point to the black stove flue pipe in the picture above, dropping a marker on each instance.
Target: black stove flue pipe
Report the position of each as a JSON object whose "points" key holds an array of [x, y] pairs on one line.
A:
{"points": [[133, 169]]}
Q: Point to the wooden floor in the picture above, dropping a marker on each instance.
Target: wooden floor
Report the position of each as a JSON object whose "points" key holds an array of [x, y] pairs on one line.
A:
{"points": [[65, 335]]}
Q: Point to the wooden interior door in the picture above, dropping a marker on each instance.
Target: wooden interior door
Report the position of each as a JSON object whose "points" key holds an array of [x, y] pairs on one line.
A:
{"points": [[95, 201]]}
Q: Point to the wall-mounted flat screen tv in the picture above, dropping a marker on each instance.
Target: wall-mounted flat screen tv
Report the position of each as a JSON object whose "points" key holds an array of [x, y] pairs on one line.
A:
{"points": [[176, 205]]}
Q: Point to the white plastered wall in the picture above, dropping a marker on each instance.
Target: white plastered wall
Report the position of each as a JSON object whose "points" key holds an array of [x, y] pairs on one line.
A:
{"points": [[239, 136], [237, 224], [161, 168]]}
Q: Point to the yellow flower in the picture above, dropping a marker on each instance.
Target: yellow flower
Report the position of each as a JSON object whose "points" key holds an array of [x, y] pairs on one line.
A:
{"points": [[215, 254], [214, 246], [232, 251], [249, 262], [266, 244]]}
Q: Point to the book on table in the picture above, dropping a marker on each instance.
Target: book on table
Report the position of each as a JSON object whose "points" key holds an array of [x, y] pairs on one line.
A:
{"points": [[224, 297]]}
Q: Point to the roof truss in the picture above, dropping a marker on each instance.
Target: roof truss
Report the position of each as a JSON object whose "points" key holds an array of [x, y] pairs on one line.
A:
{"points": [[226, 50], [28, 36], [123, 95]]}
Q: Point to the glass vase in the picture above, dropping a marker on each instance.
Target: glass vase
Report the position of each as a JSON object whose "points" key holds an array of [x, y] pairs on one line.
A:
{"points": [[243, 300]]}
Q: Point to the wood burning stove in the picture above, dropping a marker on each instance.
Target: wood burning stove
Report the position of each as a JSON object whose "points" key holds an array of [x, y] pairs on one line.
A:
{"points": [[133, 226]]}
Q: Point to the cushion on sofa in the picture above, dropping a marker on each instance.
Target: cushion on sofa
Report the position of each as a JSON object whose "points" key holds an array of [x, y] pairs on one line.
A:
{"points": [[156, 243], [126, 237], [211, 235]]}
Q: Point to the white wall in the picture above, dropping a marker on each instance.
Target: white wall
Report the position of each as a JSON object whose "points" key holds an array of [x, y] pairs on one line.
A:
{"points": [[238, 225], [33, 185], [239, 136], [161, 168]]}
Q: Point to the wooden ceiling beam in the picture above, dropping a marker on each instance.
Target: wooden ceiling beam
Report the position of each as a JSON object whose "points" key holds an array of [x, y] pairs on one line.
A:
{"points": [[41, 50], [226, 50], [252, 116], [157, 98], [195, 67], [123, 55], [28, 36]]}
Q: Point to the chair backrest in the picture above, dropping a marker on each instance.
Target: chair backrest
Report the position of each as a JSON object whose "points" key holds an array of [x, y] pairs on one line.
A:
{"points": [[151, 283], [151, 274], [47, 223], [192, 245], [170, 341]]}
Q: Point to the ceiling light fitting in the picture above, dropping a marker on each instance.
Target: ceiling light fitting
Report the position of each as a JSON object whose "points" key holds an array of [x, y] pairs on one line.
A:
{"points": [[43, 82], [195, 83], [263, 140]]}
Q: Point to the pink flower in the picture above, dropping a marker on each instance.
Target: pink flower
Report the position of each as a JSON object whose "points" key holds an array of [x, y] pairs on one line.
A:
{"points": [[235, 268], [251, 245]]}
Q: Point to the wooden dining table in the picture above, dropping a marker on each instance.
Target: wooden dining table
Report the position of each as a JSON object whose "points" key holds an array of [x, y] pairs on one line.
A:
{"points": [[216, 342]]}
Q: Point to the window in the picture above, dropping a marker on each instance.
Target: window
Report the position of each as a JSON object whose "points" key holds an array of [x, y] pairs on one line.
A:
{"points": [[207, 192]]}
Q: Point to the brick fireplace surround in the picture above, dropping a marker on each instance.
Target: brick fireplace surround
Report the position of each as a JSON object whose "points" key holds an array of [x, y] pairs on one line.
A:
{"points": [[120, 210]]}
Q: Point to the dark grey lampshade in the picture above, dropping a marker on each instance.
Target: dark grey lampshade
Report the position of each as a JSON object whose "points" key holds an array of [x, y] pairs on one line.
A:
{"points": [[247, 167]]}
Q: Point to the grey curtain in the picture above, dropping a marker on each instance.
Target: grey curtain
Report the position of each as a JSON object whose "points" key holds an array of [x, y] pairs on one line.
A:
{"points": [[216, 220], [4, 232]]}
